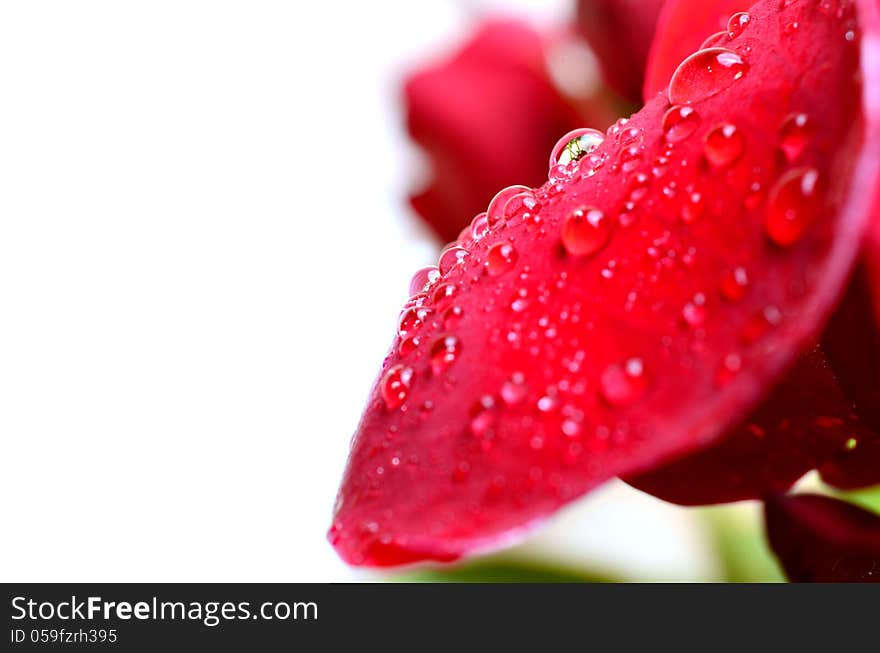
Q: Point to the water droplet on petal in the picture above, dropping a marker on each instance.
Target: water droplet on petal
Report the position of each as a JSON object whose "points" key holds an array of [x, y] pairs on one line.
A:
{"points": [[692, 207], [395, 386], [408, 346], [423, 279], [794, 203], [482, 416], [623, 385], [521, 205], [694, 312], [444, 352], [734, 284], [723, 145], [495, 212], [585, 231], [444, 293], [715, 40], [500, 258], [479, 226], [679, 122], [450, 257], [411, 320], [452, 317], [794, 136], [514, 391], [704, 74], [574, 145], [737, 24]]}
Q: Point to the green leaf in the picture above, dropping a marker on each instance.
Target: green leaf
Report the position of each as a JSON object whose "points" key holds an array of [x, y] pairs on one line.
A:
{"points": [[737, 533]]}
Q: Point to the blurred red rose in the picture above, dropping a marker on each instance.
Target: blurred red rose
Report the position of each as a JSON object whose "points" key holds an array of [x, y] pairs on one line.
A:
{"points": [[487, 117]]}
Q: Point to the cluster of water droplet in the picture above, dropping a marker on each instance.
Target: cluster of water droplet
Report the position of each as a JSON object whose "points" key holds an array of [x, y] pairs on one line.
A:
{"points": [[790, 206]]}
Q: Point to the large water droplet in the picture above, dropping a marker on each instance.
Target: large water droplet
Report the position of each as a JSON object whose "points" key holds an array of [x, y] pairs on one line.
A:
{"points": [[704, 74], [444, 352], [423, 279], [716, 40], [411, 320], [500, 258], [794, 203], [794, 136], [479, 226], [522, 205], [450, 257], [444, 293], [574, 145], [723, 145], [585, 231], [623, 385], [679, 123], [395, 386], [737, 24], [495, 212]]}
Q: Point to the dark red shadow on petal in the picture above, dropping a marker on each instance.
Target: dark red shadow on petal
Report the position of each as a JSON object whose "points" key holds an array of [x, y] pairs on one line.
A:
{"points": [[807, 423], [819, 539]]}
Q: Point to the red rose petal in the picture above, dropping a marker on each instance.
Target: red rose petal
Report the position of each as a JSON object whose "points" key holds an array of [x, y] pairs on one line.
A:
{"points": [[620, 33], [805, 424], [819, 539], [682, 27], [486, 118], [630, 353]]}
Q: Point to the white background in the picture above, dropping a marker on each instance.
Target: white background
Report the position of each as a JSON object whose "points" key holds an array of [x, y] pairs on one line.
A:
{"points": [[203, 248]]}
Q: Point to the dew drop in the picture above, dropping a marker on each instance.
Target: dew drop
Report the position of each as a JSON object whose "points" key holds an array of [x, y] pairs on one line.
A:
{"points": [[704, 74], [452, 317], [514, 391], [723, 145], [679, 122], [623, 385], [444, 293], [794, 136], [395, 386], [444, 352], [495, 212], [585, 231], [715, 40], [522, 205], [737, 24], [450, 257], [692, 208], [408, 346], [694, 312], [482, 416], [794, 203], [574, 145], [479, 226], [411, 320], [500, 258], [734, 284], [423, 279]]}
